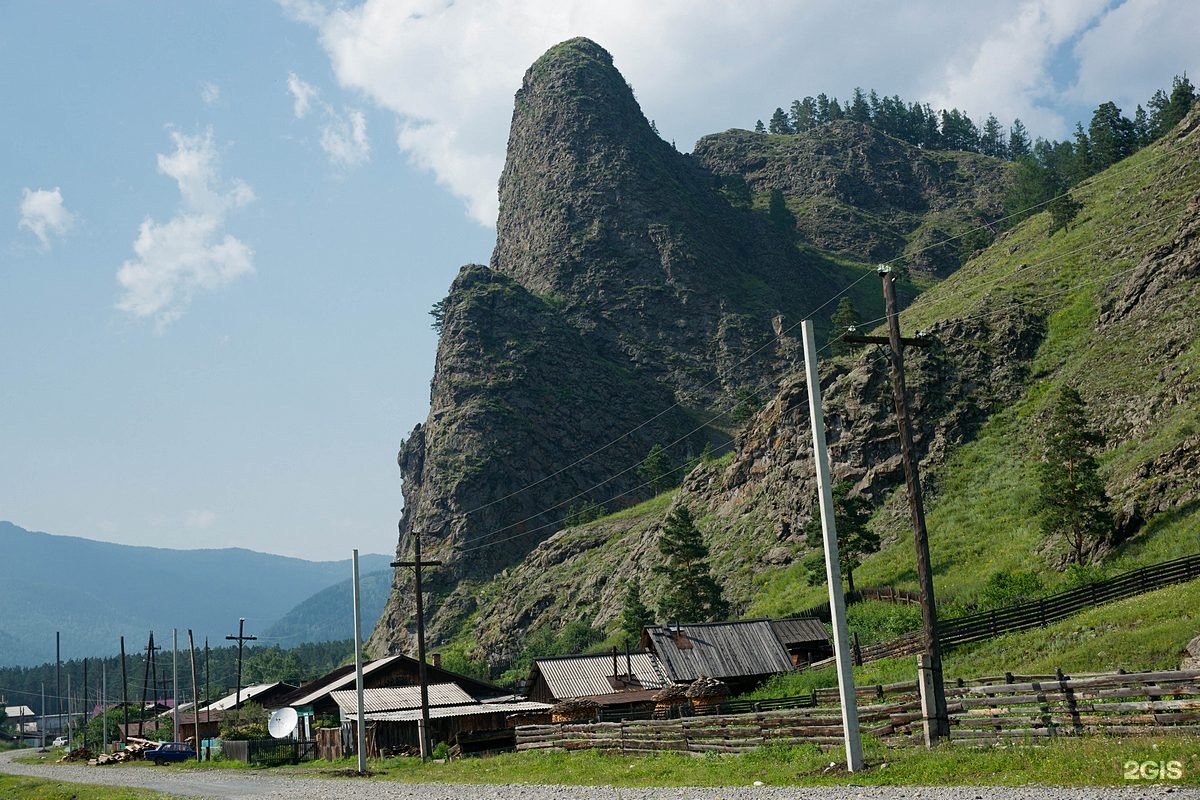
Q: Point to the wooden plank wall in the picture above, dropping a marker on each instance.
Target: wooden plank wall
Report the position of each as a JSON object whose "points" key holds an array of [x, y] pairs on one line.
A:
{"points": [[981, 710]]}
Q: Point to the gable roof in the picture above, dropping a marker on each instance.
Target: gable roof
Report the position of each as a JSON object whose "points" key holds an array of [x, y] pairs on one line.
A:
{"points": [[400, 698], [230, 700], [582, 676], [343, 678], [800, 630], [718, 649]]}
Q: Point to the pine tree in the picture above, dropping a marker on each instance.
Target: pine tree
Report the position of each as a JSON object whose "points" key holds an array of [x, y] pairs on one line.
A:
{"points": [[779, 123], [655, 469], [689, 593], [1071, 496], [855, 540], [759, 127], [1018, 140], [991, 140], [845, 316], [1112, 137], [634, 613]]}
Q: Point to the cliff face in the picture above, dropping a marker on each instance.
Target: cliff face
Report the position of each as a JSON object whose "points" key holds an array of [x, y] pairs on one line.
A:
{"points": [[626, 304], [624, 296], [860, 193]]}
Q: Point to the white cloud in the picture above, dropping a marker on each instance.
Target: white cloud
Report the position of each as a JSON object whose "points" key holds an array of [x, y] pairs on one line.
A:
{"points": [[302, 94], [344, 139], [44, 215], [1134, 50], [210, 93], [343, 134], [199, 520], [1008, 72], [189, 252], [449, 69]]}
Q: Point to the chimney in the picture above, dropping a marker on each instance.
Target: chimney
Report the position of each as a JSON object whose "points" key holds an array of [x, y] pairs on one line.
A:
{"points": [[437, 660]]}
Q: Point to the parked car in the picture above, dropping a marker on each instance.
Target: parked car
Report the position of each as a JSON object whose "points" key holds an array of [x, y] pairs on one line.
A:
{"points": [[59, 742], [170, 751]]}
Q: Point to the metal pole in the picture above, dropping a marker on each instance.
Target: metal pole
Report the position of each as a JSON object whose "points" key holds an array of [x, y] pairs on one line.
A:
{"points": [[104, 700], [195, 695], [833, 569], [42, 727], [940, 726], [358, 671], [175, 683], [58, 679], [85, 704]]}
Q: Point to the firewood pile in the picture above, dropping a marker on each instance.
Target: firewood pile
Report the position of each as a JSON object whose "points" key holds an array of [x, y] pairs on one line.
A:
{"points": [[134, 748], [78, 754]]}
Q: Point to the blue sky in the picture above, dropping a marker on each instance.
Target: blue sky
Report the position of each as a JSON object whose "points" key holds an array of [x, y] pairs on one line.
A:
{"points": [[227, 221]]}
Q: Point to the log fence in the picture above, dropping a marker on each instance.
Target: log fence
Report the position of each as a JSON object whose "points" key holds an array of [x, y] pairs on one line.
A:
{"points": [[981, 710]]}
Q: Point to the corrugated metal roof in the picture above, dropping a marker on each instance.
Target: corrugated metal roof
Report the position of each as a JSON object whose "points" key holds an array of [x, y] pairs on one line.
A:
{"points": [[457, 711], [577, 676], [800, 630], [399, 698], [341, 682], [719, 650], [248, 693]]}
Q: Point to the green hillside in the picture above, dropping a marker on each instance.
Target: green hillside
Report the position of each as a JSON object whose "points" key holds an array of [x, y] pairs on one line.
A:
{"points": [[1133, 368]]}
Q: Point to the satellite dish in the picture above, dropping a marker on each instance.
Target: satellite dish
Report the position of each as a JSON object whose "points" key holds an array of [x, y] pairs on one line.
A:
{"points": [[282, 722]]}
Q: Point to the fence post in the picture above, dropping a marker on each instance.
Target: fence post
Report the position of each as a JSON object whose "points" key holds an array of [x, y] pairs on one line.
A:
{"points": [[1042, 610], [925, 690], [858, 662]]}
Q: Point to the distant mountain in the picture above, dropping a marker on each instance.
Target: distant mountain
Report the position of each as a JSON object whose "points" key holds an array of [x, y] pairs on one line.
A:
{"points": [[95, 592], [327, 615]]}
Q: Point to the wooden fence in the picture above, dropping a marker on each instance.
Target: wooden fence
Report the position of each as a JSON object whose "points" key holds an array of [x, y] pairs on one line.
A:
{"points": [[1037, 613], [1136, 703], [984, 709], [1034, 613]]}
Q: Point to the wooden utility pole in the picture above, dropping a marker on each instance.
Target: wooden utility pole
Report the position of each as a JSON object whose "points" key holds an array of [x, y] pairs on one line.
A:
{"points": [[939, 726], [417, 564], [150, 648], [241, 639], [124, 690]]}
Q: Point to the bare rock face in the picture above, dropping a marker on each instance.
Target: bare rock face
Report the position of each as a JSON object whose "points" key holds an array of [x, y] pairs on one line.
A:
{"points": [[624, 296], [861, 193], [627, 302]]}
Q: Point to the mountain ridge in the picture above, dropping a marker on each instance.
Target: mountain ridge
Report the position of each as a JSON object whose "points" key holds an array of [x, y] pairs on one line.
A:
{"points": [[127, 590]]}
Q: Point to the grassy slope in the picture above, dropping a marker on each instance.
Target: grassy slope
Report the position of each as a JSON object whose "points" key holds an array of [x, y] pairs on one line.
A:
{"points": [[979, 504], [1139, 633]]}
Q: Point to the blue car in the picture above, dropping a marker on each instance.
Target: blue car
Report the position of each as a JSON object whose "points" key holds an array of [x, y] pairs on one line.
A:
{"points": [[170, 751]]}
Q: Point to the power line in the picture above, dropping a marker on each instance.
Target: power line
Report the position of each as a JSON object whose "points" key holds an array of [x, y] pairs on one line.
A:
{"points": [[1108, 174]]}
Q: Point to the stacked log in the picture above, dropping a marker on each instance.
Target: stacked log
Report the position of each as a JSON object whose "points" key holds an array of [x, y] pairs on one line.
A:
{"points": [[667, 698], [707, 695], [573, 711]]}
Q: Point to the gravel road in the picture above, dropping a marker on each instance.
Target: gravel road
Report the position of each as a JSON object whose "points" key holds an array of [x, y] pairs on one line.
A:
{"points": [[278, 786]]}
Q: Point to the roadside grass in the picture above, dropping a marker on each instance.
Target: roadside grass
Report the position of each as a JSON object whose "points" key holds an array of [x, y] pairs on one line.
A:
{"points": [[16, 786], [1080, 761]]}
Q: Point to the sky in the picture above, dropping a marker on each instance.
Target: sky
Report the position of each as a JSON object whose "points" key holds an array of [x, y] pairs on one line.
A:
{"points": [[223, 224]]}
